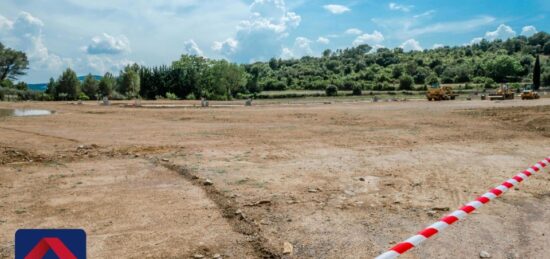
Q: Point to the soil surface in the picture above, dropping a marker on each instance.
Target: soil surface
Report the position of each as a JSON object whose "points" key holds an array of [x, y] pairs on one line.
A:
{"points": [[333, 180]]}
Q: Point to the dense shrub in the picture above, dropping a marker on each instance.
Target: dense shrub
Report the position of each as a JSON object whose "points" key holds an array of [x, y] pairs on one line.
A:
{"points": [[117, 96], [546, 78], [171, 96], [357, 90], [83, 97], [406, 82], [348, 85], [331, 90]]}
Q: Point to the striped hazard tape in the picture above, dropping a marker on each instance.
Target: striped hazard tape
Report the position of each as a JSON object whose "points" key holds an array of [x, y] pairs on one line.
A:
{"points": [[461, 213]]}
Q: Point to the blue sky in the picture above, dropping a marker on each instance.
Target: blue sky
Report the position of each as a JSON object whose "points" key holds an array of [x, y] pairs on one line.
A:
{"points": [[104, 35]]}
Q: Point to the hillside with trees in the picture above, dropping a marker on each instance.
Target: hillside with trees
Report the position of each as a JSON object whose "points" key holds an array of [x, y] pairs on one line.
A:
{"points": [[484, 64]]}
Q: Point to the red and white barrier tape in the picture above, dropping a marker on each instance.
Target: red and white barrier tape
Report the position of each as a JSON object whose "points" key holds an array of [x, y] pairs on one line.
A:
{"points": [[460, 214]]}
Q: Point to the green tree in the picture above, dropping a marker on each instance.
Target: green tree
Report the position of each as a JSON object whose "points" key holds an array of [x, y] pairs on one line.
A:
{"points": [[6, 84], [90, 86], [13, 63], [68, 85], [536, 74], [130, 82], [405, 82], [546, 48], [223, 80], [194, 68], [106, 85], [331, 90], [22, 86], [432, 79], [546, 78], [503, 68], [51, 87]]}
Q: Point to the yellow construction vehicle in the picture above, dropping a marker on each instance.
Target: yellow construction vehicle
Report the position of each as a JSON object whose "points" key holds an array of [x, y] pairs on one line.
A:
{"points": [[503, 93], [437, 93], [529, 94]]}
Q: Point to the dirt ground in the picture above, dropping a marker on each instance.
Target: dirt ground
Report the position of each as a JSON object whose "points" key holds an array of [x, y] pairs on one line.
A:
{"points": [[335, 180]]}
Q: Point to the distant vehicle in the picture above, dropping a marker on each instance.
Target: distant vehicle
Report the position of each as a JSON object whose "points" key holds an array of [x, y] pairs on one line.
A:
{"points": [[503, 93], [529, 94], [438, 93]]}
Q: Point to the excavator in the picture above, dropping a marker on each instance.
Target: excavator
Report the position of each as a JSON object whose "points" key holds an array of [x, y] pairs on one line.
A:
{"points": [[438, 93], [503, 93]]}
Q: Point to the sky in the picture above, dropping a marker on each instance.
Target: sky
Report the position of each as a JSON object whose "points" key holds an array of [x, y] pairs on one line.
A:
{"points": [[105, 35]]}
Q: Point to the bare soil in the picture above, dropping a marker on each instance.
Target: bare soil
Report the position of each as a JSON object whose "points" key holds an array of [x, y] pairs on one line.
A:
{"points": [[340, 180]]}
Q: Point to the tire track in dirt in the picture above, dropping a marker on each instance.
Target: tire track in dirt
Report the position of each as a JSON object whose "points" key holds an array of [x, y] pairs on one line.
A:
{"points": [[40, 134], [229, 209]]}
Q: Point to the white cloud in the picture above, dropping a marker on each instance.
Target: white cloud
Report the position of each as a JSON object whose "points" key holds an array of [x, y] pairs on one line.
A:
{"points": [[528, 31], [323, 40], [425, 14], [476, 40], [376, 47], [336, 9], [27, 25], [261, 36], [302, 47], [448, 27], [75, 22], [353, 31], [399, 7], [190, 47], [25, 33], [502, 32], [108, 44], [5, 24], [226, 47], [286, 53], [437, 46], [411, 44], [375, 37], [102, 64]]}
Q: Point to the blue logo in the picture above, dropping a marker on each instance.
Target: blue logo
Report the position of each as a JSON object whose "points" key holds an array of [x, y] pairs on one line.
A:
{"points": [[50, 244]]}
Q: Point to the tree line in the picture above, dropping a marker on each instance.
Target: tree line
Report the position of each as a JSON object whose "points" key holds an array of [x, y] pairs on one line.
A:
{"points": [[485, 64], [190, 77]]}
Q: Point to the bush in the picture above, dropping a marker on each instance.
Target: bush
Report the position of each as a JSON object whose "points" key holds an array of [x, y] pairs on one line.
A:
{"points": [[6, 84], [515, 85], [406, 82], [83, 97], [357, 91], [349, 85], [331, 90], [171, 96], [273, 85], [43, 97], [422, 88], [432, 79], [446, 80], [387, 87], [117, 96], [546, 78], [489, 83]]}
